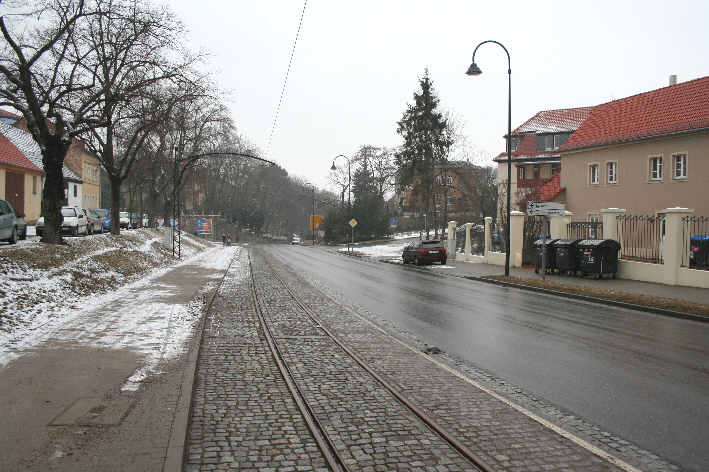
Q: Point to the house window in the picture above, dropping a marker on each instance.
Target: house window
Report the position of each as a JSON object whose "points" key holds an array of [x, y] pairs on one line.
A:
{"points": [[560, 139], [545, 142], [520, 173], [438, 179], [679, 164], [449, 180], [536, 172], [75, 190], [34, 185], [593, 171], [656, 168], [612, 172]]}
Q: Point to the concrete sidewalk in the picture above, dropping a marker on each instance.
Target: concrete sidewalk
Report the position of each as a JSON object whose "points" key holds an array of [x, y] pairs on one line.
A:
{"points": [[102, 391], [692, 294]]}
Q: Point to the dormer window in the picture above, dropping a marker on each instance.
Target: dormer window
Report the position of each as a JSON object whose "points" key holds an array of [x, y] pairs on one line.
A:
{"points": [[551, 142]]}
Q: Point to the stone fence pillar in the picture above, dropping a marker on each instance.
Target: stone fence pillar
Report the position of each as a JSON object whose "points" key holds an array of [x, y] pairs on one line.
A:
{"points": [[674, 244], [488, 235], [610, 225], [452, 225], [516, 238], [558, 225]]}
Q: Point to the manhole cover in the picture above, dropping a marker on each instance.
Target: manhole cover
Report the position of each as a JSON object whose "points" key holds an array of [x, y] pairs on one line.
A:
{"points": [[94, 411]]}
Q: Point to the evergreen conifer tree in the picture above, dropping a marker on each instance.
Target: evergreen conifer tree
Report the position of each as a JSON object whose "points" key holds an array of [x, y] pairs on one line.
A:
{"points": [[426, 143]]}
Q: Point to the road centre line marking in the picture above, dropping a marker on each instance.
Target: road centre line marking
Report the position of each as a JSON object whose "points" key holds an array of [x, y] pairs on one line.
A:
{"points": [[557, 429]]}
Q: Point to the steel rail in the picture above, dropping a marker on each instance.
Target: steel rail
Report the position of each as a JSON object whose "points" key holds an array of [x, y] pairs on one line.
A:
{"points": [[332, 456], [430, 422]]}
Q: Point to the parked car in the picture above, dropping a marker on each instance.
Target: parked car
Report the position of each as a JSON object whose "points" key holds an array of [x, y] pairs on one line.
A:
{"points": [[20, 224], [105, 218], [424, 251], [75, 221], [125, 222], [8, 222], [295, 239], [94, 221]]}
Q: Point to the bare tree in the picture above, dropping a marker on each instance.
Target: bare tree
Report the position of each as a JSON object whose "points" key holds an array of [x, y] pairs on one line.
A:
{"points": [[136, 49], [40, 77]]}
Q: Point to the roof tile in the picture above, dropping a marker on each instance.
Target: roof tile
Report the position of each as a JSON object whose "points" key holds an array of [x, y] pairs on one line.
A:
{"points": [[676, 108]]}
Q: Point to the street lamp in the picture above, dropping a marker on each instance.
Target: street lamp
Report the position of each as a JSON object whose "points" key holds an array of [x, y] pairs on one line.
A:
{"points": [[349, 182], [475, 70]]}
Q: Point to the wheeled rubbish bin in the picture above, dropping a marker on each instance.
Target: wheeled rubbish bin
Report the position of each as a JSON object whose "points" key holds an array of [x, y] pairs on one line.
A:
{"points": [[541, 245], [565, 257], [598, 257], [699, 255]]}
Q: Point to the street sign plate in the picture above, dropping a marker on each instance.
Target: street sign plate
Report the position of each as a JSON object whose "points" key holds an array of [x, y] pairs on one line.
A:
{"points": [[353, 222], [393, 222], [545, 208]]}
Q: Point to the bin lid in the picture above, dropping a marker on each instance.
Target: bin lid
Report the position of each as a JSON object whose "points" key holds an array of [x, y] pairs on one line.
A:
{"points": [[591, 243], [549, 242], [566, 242]]}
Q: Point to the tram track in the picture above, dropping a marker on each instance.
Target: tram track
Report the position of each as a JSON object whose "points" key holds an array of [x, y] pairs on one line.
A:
{"points": [[335, 459]]}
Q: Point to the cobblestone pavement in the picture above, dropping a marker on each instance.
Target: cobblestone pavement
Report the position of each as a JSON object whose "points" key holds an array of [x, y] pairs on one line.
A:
{"points": [[244, 417], [503, 437]]}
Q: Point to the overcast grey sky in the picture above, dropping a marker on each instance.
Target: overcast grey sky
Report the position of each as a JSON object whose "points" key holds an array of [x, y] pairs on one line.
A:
{"points": [[357, 62]]}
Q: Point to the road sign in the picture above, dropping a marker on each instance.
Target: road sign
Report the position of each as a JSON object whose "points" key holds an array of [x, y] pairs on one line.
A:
{"points": [[353, 223], [393, 222], [545, 208], [315, 221]]}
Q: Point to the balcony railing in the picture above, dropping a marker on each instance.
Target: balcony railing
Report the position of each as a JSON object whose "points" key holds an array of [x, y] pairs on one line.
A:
{"points": [[527, 183]]}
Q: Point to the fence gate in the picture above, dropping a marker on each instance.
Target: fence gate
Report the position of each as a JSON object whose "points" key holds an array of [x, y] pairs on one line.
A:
{"points": [[535, 227], [585, 230]]}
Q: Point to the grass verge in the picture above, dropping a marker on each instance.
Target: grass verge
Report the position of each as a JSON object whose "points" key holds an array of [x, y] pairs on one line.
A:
{"points": [[614, 295]]}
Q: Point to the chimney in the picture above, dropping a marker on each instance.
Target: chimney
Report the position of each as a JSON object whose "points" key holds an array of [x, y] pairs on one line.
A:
{"points": [[673, 79]]}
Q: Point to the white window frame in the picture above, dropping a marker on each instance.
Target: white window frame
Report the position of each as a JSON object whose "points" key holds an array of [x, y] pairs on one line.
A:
{"points": [[591, 180], [658, 170], [449, 180], [675, 157], [613, 174]]}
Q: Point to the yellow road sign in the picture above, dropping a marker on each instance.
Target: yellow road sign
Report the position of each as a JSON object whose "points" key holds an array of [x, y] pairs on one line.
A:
{"points": [[353, 222]]}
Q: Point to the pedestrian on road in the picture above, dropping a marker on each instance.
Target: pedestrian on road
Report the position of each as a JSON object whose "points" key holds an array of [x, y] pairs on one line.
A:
{"points": [[224, 239]]}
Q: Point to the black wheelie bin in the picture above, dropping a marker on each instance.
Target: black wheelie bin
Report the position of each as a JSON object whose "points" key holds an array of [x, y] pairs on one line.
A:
{"points": [[565, 256], [541, 245], [699, 252], [598, 257]]}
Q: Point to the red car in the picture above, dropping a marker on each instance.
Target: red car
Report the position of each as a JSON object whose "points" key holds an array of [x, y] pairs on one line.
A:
{"points": [[425, 252]]}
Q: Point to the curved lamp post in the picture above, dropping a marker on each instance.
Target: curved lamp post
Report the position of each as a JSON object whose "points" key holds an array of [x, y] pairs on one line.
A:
{"points": [[475, 70], [177, 183], [349, 182]]}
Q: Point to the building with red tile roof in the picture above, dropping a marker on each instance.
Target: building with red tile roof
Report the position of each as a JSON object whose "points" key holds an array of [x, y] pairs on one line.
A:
{"points": [[643, 153], [535, 155], [20, 178]]}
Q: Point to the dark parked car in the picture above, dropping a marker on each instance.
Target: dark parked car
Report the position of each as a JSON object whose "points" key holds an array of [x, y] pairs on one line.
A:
{"points": [[425, 252]]}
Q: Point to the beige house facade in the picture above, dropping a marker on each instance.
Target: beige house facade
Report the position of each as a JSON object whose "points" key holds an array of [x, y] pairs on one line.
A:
{"points": [[644, 154], [642, 177], [87, 166]]}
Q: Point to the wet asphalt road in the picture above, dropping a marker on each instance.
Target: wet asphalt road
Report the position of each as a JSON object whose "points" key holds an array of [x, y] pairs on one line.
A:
{"points": [[641, 376]]}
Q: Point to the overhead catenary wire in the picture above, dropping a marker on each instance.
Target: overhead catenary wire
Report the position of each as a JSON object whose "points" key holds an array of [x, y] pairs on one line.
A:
{"points": [[285, 82]]}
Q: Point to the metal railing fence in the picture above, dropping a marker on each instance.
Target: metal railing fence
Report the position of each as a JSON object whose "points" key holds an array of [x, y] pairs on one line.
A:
{"points": [[641, 237], [695, 237], [584, 230]]}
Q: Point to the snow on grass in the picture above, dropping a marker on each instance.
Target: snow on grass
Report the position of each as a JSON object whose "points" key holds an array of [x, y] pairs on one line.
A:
{"points": [[389, 250], [46, 286]]}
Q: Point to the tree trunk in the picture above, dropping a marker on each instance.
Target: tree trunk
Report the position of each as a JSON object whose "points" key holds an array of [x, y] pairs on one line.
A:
{"points": [[115, 204], [53, 191]]}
